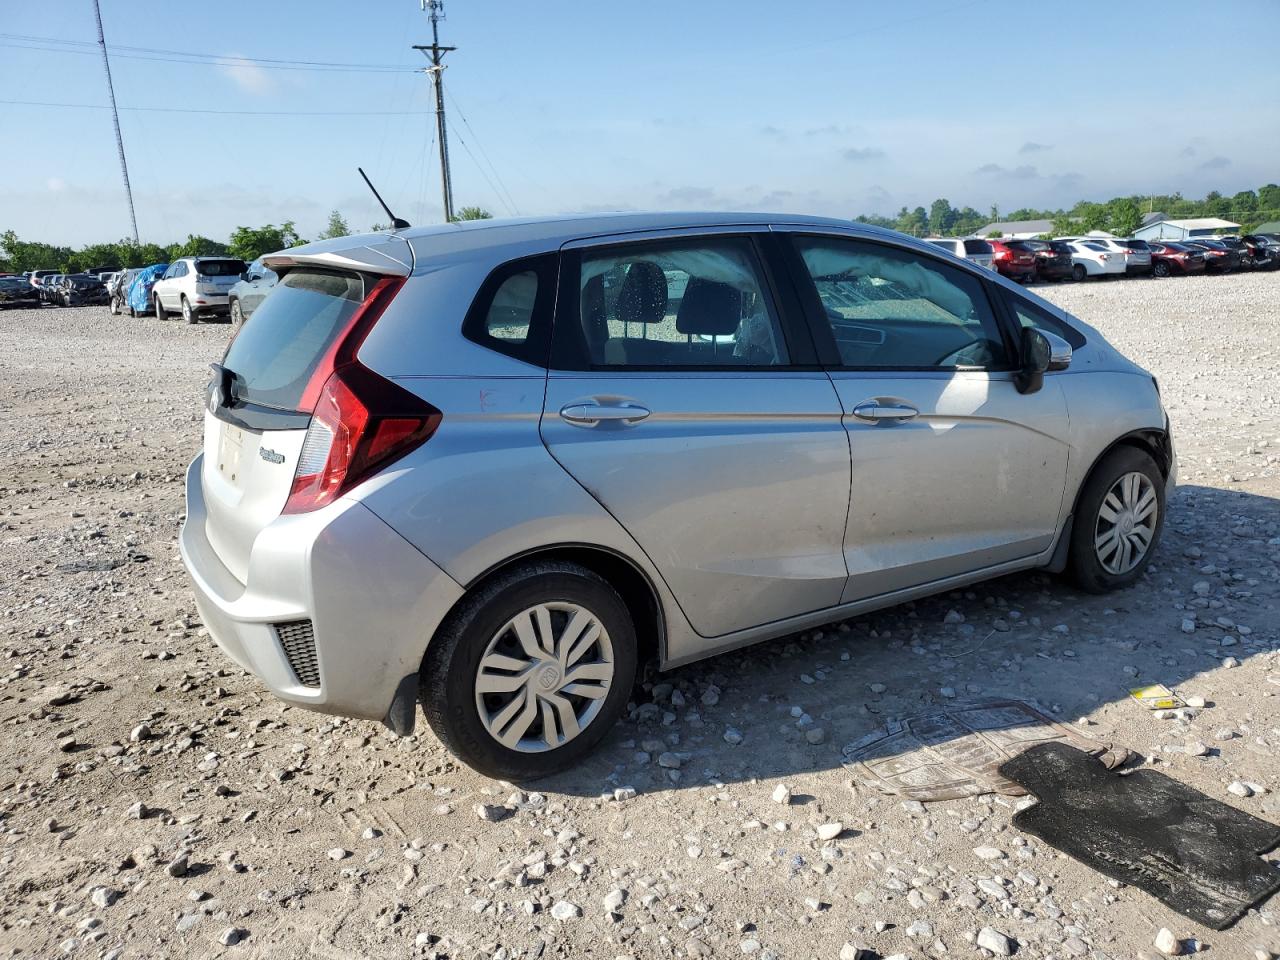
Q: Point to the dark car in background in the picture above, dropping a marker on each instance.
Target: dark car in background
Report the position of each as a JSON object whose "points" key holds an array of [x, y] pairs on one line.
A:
{"points": [[1263, 250], [18, 292], [81, 289], [1218, 257], [1169, 258], [245, 295], [1014, 259], [1052, 259], [49, 288]]}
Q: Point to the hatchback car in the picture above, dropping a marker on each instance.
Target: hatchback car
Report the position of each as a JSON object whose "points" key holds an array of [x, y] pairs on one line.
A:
{"points": [[196, 287], [247, 292], [973, 249], [492, 466], [1015, 259]]}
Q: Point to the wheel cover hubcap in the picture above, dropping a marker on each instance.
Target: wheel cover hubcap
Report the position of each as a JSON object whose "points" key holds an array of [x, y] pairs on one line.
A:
{"points": [[1126, 523], [544, 677]]}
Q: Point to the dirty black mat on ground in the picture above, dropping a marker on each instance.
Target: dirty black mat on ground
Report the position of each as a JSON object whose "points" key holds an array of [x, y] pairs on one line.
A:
{"points": [[1196, 855]]}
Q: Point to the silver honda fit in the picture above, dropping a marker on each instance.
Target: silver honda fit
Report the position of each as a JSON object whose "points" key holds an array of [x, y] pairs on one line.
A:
{"points": [[490, 466]]}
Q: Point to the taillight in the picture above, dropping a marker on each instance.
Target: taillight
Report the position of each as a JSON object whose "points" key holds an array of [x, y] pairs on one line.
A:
{"points": [[1001, 255], [361, 422]]}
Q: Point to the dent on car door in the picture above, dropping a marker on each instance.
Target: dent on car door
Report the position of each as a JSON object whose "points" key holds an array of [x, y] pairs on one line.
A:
{"points": [[676, 400], [953, 469]]}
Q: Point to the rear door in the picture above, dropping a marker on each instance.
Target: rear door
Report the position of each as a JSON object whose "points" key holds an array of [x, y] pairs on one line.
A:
{"points": [[684, 397], [953, 470], [259, 405]]}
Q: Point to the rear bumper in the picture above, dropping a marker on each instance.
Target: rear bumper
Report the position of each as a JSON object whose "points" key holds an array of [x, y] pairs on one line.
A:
{"points": [[1053, 269], [372, 599], [210, 302]]}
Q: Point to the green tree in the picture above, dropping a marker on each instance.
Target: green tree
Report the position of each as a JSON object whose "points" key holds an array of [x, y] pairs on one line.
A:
{"points": [[196, 246], [472, 213], [249, 243], [30, 255], [1269, 197], [1123, 216], [1065, 225], [942, 219], [337, 227]]}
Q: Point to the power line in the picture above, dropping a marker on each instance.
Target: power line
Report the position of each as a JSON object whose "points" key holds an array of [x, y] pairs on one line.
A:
{"points": [[508, 201], [234, 113], [55, 45], [436, 72]]}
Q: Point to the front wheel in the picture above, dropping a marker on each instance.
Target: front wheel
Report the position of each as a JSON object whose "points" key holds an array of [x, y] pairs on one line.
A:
{"points": [[1118, 521], [237, 315], [1078, 272], [531, 672]]}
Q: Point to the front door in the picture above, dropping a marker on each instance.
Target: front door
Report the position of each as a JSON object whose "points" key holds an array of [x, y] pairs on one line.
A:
{"points": [[676, 399], [954, 470]]}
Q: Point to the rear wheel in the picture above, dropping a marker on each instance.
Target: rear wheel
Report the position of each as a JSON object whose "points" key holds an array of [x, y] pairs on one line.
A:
{"points": [[161, 313], [1160, 268], [1078, 272], [237, 315], [115, 306], [531, 672], [189, 314], [1118, 521]]}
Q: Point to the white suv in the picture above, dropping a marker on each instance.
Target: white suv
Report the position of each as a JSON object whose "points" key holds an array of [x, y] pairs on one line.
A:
{"points": [[196, 287], [973, 249]]}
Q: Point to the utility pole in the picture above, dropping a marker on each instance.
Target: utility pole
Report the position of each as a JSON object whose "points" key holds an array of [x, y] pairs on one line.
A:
{"points": [[115, 115], [436, 71]]}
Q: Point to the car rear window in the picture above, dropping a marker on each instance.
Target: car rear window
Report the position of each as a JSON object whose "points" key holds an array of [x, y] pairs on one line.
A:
{"points": [[279, 347], [219, 268], [1019, 245], [1135, 244], [977, 246]]}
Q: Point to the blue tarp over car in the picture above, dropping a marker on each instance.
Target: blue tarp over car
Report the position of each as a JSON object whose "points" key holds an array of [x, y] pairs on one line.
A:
{"points": [[140, 289]]}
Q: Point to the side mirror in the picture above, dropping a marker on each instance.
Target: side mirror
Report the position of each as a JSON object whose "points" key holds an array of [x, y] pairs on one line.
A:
{"points": [[1039, 352]]}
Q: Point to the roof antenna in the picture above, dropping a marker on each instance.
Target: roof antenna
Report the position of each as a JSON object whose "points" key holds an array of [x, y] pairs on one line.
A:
{"points": [[396, 222]]}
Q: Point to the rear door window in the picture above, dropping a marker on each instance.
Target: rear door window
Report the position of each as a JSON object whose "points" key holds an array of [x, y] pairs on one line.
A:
{"points": [[274, 356], [512, 310]]}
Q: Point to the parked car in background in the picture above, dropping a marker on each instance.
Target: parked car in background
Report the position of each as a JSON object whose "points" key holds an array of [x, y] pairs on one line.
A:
{"points": [[118, 289], [49, 288], [138, 300], [80, 290], [973, 249], [1014, 259], [1218, 257], [196, 287], [1052, 259], [1089, 258], [1169, 257], [18, 292], [1264, 251], [341, 534], [1137, 258], [38, 277], [245, 295], [1241, 249]]}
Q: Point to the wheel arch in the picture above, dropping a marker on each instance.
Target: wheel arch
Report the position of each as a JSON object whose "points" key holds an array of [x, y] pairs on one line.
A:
{"points": [[620, 571]]}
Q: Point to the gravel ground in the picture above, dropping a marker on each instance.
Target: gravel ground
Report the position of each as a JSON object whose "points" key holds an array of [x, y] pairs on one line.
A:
{"points": [[154, 801]]}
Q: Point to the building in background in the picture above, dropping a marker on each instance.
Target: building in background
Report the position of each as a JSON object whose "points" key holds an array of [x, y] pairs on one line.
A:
{"points": [[1018, 229], [1184, 229]]}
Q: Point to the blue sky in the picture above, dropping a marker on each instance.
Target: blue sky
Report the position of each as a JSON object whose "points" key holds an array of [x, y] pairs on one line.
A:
{"points": [[819, 107]]}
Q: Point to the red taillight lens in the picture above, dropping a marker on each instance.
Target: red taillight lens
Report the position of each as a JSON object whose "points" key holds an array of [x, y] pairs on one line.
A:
{"points": [[361, 422], [1001, 255]]}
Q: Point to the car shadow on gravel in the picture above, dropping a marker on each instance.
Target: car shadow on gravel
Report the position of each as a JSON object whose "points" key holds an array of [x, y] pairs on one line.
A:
{"points": [[755, 713]]}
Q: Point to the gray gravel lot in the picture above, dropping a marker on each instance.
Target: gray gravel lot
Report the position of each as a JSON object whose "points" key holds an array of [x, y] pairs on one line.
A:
{"points": [[155, 801]]}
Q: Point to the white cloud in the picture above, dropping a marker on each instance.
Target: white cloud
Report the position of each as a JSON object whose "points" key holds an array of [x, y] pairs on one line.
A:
{"points": [[56, 184], [248, 76]]}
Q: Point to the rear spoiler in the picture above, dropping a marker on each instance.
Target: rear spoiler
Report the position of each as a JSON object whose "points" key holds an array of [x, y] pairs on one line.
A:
{"points": [[379, 253]]}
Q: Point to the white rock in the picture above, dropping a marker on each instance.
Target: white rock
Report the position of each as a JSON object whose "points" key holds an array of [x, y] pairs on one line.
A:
{"points": [[1239, 789], [995, 941], [1167, 943], [614, 899], [988, 853], [564, 910], [829, 831], [782, 794]]}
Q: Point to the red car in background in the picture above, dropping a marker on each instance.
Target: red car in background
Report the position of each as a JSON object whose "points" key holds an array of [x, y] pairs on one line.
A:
{"points": [[1169, 258], [1014, 259]]}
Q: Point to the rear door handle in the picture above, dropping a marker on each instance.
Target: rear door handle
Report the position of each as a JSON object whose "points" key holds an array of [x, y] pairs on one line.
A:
{"points": [[587, 414], [875, 411]]}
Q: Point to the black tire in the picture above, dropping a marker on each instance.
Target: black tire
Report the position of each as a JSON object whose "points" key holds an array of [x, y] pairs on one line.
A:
{"points": [[113, 305], [1160, 269], [188, 312], [1086, 568], [449, 670], [237, 315], [161, 313], [1078, 272]]}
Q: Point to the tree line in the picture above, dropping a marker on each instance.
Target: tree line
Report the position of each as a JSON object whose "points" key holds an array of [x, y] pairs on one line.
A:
{"points": [[1120, 215], [245, 243]]}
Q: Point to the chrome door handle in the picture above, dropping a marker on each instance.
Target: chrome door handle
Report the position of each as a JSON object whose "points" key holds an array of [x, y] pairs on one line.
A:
{"points": [[589, 413], [876, 411]]}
